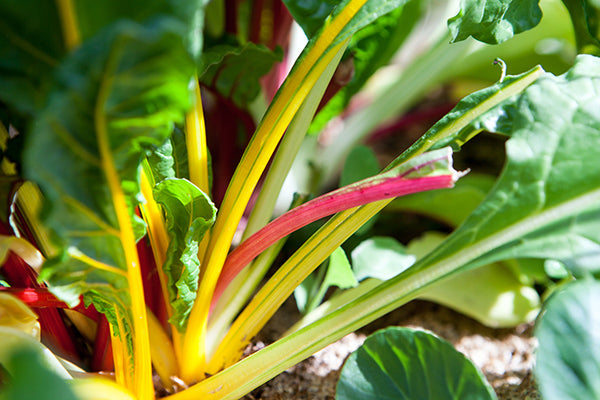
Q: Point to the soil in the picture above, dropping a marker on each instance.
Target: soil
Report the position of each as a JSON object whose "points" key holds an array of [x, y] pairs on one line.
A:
{"points": [[504, 355]]}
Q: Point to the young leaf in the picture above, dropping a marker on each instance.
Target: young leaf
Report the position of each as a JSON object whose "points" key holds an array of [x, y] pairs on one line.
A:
{"points": [[568, 357], [169, 160], [380, 257], [584, 15], [189, 214], [338, 273], [494, 21], [405, 364], [310, 15], [116, 97]]}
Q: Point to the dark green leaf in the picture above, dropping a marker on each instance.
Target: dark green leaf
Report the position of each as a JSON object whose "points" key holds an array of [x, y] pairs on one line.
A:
{"points": [[381, 258], [234, 71], [31, 47], [93, 16], [568, 356], [189, 214], [494, 21], [401, 363], [585, 15], [126, 88], [310, 15]]}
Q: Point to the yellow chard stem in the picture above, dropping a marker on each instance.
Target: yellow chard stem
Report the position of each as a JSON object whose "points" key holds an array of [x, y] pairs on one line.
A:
{"points": [[246, 176], [142, 384], [196, 142], [285, 105]]}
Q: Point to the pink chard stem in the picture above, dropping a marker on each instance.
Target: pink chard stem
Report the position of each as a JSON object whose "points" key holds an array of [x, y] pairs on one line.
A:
{"points": [[402, 180]]}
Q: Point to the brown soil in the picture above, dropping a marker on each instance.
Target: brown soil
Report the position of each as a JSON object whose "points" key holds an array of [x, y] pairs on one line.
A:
{"points": [[504, 355]]}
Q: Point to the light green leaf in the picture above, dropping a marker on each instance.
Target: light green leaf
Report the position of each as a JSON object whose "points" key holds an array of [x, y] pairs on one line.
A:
{"points": [[585, 16], [568, 356], [170, 160], [234, 71], [189, 214], [337, 273], [381, 258], [494, 21], [122, 90], [406, 364]]}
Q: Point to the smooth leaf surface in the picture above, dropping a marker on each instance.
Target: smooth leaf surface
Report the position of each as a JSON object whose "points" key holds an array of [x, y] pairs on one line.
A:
{"points": [[568, 356], [310, 15], [406, 364], [380, 257], [494, 21], [189, 214]]}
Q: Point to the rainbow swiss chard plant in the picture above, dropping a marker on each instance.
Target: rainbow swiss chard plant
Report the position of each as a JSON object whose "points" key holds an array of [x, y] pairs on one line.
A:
{"points": [[117, 214]]}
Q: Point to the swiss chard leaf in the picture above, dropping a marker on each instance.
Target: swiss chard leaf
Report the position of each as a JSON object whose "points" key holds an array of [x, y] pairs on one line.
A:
{"points": [[546, 203], [94, 16], [189, 214], [234, 72], [380, 257], [568, 357], [170, 160], [586, 24], [494, 21], [405, 364], [115, 97], [310, 15]]}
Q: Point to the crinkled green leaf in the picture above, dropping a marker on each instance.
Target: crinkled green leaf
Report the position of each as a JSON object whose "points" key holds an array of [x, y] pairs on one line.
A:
{"points": [[568, 356], [170, 160], [494, 21], [406, 364], [234, 71], [127, 86], [31, 47], [189, 214], [380, 257], [371, 48]]}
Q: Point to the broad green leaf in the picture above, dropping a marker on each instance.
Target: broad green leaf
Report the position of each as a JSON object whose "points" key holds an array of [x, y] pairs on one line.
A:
{"points": [[337, 273], [31, 47], [93, 16], [380, 257], [189, 214], [568, 356], [234, 72], [115, 97], [494, 21], [406, 364]]}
